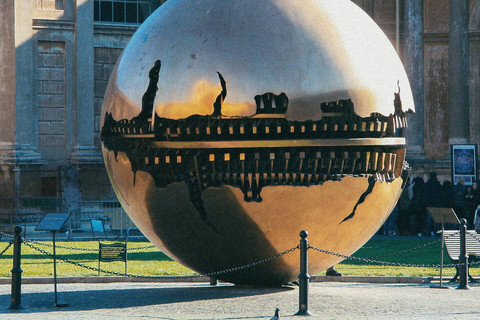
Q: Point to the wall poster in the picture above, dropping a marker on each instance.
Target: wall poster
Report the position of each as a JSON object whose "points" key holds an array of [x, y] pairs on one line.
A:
{"points": [[464, 163]]}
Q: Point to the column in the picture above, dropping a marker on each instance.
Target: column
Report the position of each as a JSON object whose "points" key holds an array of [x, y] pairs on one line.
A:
{"points": [[413, 62], [17, 111], [458, 101], [474, 76], [7, 75], [7, 96], [26, 129], [84, 150]]}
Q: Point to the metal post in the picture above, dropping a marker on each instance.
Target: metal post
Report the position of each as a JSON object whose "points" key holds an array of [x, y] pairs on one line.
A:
{"points": [[56, 303], [303, 277], [213, 281], [441, 254], [126, 257], [99, 255], [54, 267], [16, 298], [463, 258]]}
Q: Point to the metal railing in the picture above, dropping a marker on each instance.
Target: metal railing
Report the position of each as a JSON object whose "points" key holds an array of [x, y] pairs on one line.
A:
{"points": [[29, 211], [110, 212], [7, 212]]}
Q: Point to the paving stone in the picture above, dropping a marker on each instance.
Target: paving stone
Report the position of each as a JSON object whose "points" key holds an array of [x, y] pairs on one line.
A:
{"points": [[327, 300]]}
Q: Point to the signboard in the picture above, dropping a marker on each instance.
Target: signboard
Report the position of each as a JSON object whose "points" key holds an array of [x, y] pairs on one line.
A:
{"points": [[443, 215], [464, 163], [52, 222], [112, 252]]}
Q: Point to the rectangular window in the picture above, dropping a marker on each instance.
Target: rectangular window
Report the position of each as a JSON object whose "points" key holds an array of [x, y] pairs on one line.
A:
{"points": [[96, 11], [118, 11], [124, 11], [106, 11], [59, 5], [131, 9], [49, 186], [51, 4]]}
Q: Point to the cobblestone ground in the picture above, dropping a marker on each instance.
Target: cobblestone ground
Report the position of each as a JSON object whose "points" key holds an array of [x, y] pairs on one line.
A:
{"points": [[200, 301]]}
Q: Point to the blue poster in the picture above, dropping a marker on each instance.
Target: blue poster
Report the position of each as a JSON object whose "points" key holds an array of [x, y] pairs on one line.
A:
{"points": [[464, 163]]}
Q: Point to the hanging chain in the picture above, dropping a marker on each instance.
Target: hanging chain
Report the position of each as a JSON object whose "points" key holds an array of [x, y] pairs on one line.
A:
{"points": [[6, 235], [89, 249], [371, 260], [392, 264], [412, 249], [8, 246], [210, 274]]}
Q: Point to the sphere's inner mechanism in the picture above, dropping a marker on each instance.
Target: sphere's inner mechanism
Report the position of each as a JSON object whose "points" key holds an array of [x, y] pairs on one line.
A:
{"points": [[263, 150]]}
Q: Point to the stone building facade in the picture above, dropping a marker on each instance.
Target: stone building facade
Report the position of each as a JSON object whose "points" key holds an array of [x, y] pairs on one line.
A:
{"points": [[56, 57]]}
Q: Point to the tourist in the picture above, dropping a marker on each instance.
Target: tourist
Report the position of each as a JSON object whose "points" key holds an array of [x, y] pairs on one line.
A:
{"points": [[433, 192], [472, 200], [417, 207]]}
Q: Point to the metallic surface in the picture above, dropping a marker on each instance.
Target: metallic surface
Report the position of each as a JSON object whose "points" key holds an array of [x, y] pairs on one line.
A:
{"points": [[230, 126], [314, 50], [279, 143]]}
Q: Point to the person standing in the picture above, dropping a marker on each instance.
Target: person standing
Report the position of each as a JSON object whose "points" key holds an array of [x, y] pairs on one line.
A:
{"points": [[448, 194], [433, 198], [460, 198], [476, 221], [403, 220], [472, 198], [417, 206], [448, 201]]}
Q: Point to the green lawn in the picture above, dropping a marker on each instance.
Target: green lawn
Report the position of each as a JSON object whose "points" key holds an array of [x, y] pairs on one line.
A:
{"points": [[151, 262], [426, 252]]}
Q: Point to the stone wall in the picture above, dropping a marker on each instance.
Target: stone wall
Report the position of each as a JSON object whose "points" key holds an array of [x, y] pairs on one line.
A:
{"points": [[51, 100]]}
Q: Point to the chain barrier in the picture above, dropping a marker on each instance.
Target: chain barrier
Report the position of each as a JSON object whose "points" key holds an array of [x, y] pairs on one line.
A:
{"points": [[6, 235], [391, 264], [405, 250], [8, 247], [371, 259], [210, 274], [412, 249], [88, 249]]}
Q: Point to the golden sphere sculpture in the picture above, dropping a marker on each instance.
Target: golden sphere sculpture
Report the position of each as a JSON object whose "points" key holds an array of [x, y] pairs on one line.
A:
{"points": [[230, 126]]}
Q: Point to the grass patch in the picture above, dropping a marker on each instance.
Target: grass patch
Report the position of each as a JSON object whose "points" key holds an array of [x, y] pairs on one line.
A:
{"points": [[426, 252], [149, 261], [152, 262]]}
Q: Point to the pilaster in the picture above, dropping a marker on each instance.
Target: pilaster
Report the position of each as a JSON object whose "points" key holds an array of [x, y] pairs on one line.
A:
{"points": [[413, 61], [458, 101], [474, 74], [26, 129], [17, 113], [84, 151], [7, 72]]}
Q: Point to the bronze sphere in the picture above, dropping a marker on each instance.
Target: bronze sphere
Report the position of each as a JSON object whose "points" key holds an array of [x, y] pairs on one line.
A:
{"points": [[230, 126]]}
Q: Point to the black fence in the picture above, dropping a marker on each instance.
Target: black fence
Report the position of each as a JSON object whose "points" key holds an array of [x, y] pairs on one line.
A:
{"points": [[29, 211]]}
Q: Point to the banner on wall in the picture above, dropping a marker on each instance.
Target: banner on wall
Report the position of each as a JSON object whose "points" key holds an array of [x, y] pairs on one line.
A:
{"points": [[464, 163]]}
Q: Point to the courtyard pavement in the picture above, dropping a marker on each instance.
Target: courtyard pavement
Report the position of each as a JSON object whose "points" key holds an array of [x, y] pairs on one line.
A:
{"points": [[175, 300]]}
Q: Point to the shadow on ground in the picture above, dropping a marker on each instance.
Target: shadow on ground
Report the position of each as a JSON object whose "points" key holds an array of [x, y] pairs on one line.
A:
{"points": [[127, 298]]}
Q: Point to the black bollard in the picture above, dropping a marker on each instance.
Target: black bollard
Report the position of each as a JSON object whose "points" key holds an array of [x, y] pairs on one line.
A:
{"points": [[303, 277], [16, 298], [463, 258], [213, 281]]}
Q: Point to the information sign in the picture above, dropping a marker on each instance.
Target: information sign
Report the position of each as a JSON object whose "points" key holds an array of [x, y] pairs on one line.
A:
{"points": [[112, 251], [52, 222]]}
